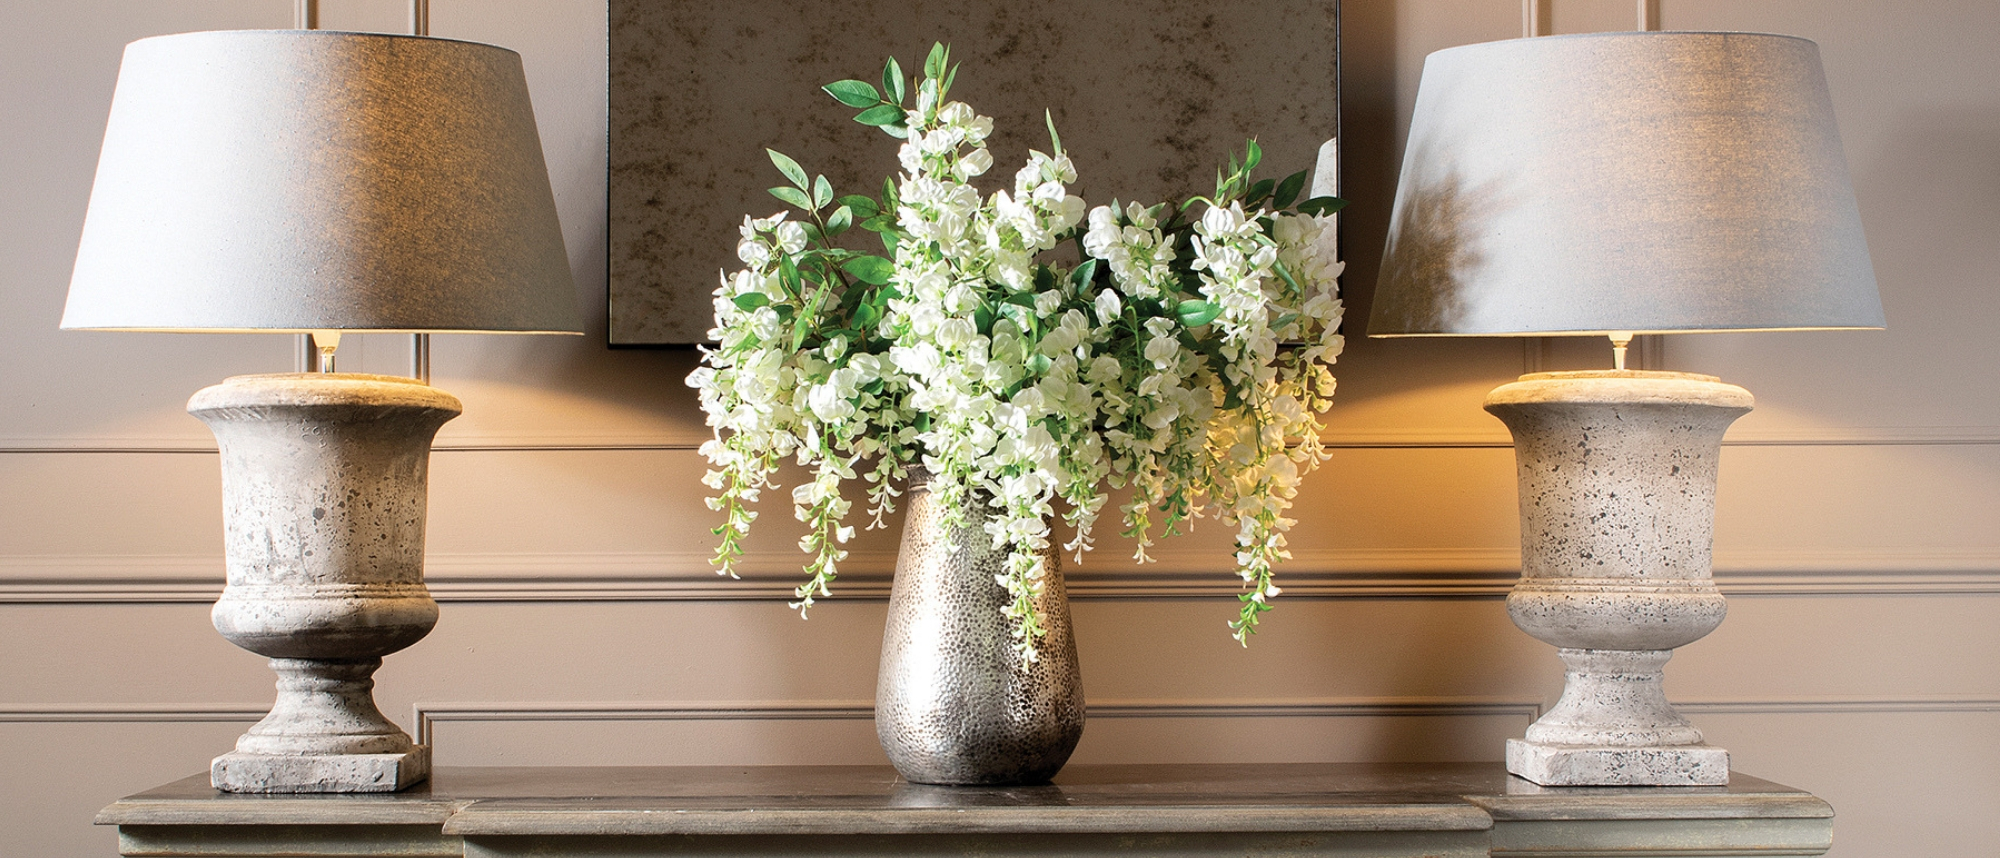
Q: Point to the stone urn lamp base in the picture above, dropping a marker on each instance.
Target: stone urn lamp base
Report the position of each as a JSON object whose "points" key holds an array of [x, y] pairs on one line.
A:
{"points": [[1617, 475], [323, 488]]}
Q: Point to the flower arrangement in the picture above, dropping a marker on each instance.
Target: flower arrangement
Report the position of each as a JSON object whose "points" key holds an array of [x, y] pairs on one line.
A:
{"points": [[1185, 358]]}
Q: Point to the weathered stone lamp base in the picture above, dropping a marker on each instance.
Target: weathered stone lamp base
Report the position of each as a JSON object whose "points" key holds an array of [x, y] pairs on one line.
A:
{"points": [[323, 485], [1613, 725], [1617, 473], [324, 734]]}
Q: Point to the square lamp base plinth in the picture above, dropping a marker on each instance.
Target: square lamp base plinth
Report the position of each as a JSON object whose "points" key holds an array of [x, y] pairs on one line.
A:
{"points": [[325, 773], [1608, 765]]}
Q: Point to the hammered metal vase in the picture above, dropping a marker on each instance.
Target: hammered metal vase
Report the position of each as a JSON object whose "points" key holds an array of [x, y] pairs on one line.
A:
{"points": [[954, 704]]}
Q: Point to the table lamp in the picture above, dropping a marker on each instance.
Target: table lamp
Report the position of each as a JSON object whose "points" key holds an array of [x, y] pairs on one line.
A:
{"points": [[1616, 184], [319, 182]]}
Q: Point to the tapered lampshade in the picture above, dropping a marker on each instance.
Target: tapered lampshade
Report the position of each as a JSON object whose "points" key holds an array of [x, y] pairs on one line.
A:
{"points": [[293, 180], [1642, 182]]}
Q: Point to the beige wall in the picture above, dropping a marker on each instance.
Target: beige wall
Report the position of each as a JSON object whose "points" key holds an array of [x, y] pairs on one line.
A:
{"points": [[1859, 529]]}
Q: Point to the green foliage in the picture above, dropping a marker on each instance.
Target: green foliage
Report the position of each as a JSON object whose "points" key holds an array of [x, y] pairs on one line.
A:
{"points": [[793, 196], [854, 93], [810, 302]]}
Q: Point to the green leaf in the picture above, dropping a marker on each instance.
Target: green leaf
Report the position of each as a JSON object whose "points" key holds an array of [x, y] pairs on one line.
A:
{"points": [[788, 276], [1194, 314], [1055, 140], [1289, 280], [751, 300], [881, 114], [1322, 205], [1258, 192], [839, 221], [867, 315], [892, 81], [1252, 156], [822, 192], [1022, 299], [799, 327], [934, 64], [794, 196], [1288, 190], [789, 167], [900, 131], [1081, 277], [873, 270], [889, 240], [983, 318], [854, 93], [863, 207]]}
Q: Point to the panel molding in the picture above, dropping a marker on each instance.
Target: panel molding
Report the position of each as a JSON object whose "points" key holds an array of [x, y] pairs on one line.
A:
{"points": [[1180, 573], [684, 442], [1920, 705], [426, 716], [131, 713]]}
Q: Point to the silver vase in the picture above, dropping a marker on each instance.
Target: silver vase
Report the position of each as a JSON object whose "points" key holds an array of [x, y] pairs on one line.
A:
{"points": [[954, 704]]}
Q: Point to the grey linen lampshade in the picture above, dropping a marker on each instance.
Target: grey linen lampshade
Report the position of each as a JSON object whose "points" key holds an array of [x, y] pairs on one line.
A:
{"points": [[1642, 182], [292, 180]]}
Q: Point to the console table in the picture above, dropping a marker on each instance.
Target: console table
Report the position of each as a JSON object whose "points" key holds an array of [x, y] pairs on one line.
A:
{"points": [[1378, 811]]}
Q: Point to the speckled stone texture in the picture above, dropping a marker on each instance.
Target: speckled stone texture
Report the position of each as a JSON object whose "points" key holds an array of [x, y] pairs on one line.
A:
{"points": [[953, 702], [323, 483], [1617, 477]]}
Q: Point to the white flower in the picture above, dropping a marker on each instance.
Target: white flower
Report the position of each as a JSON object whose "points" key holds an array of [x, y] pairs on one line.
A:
{"points": [[791, 237], [974, 163], [1108, 307], [1057, 401], [754, 253]]}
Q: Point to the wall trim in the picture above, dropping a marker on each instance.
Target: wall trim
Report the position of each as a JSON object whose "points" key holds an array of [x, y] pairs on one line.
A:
{"points": [[1187, 572], [1388, 439], [1931, 705], [130, 713], [426, 716]]}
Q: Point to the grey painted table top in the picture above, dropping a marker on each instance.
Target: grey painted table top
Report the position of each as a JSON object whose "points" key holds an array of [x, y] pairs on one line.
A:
{"points": [[765, 800]]}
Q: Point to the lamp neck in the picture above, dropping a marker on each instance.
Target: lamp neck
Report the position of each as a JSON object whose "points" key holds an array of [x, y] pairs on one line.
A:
{"points": [[1619, 340], [324, 343]]}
